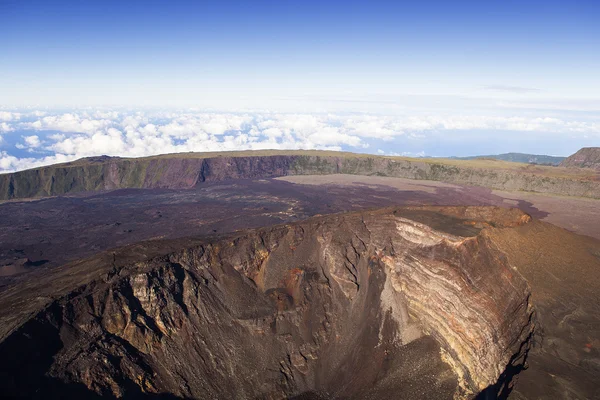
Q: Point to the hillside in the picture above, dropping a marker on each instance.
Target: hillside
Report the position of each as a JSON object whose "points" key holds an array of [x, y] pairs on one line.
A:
{"points": [[588, 157], [520, 158], [190, 169]]}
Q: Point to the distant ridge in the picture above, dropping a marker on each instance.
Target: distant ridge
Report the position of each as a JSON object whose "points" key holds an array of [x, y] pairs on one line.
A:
{"points": [[587, 157], [521, 158], [187, 170]]}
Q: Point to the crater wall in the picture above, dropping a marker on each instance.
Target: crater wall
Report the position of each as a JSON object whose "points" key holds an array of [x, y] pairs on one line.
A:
{"points": [[388, 303], [185, 171]]}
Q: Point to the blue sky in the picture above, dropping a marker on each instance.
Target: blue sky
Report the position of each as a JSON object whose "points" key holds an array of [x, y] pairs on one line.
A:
{"points": [[97, 52], [422, 59]]}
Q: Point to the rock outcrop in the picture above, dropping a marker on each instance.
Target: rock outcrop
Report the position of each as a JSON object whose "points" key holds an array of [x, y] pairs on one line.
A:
{"points": [[188, 170], [408, 302], [588, 157]]}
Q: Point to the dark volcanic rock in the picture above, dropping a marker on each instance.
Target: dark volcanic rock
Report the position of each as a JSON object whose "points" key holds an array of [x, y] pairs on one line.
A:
{"points": [[396, 303], [54, 231]]}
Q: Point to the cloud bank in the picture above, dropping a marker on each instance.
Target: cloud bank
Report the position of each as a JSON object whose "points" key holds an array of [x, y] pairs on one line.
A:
{"points": [[45, 137]]}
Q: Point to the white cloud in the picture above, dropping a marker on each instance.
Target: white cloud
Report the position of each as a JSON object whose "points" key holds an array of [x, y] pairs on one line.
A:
{"points": [[135, 134], [70, 122], [405, 154], [373, 127], [273, 132], [4, 127], [10, 163], [9, 116], [32, 141]]}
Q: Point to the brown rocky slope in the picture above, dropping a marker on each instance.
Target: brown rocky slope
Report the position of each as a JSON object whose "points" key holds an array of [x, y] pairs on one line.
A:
{"points": [[588, 157], [563, 270], [411, 302]]}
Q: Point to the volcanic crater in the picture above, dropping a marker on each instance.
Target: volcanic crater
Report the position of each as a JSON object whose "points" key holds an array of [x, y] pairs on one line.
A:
{"points": [[410, 302]]}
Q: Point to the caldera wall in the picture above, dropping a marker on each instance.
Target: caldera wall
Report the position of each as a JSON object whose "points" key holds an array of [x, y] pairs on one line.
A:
{"points": [[186, 171]]}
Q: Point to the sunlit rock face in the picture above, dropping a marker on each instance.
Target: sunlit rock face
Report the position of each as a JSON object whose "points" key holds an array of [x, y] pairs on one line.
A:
{"points": [[393, 303]]}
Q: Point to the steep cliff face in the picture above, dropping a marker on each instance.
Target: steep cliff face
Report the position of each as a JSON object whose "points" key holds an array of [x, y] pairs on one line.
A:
{"points": [[114, 173], [188, 170], [588, 157], [410, 303]]}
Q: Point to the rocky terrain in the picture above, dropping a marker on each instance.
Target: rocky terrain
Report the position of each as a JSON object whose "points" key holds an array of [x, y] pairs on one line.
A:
{"points": [[42, 234], [411, 302], [192, 169], [588, 157], [563, 271], [251, 280]]}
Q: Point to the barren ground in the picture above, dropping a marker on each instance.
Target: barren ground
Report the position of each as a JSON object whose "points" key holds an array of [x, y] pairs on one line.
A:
{"points": [[577, 214], [48, 232]]}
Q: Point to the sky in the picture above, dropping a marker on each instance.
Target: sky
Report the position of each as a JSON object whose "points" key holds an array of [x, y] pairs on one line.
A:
{"points": [[433, 78]]}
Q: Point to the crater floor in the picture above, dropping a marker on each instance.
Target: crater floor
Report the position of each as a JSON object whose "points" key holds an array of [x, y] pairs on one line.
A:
{"points": [[41, 234]]}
